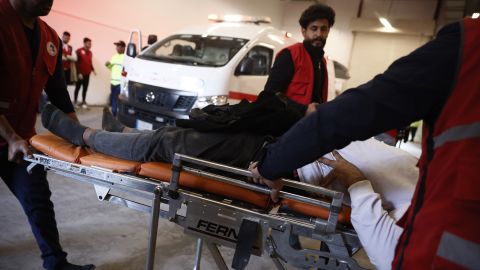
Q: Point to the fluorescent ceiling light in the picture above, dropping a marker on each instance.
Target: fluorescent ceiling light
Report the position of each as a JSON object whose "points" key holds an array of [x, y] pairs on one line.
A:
{"points": [[385, 23], [233, 18], [475, 15]]}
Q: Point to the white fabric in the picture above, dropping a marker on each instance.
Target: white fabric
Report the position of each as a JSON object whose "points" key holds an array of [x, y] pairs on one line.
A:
{"points": [[376, 203], [72, 57]]}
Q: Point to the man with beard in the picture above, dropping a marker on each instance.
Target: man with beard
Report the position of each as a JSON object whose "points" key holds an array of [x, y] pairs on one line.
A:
{"points": [[30, 61], [300, 70]]}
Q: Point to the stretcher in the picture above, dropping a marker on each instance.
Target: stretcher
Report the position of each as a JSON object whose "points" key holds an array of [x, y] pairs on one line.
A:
{"points": [[212, 202]]}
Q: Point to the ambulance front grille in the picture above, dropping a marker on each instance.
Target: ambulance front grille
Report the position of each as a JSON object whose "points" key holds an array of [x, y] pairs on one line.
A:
{"points": [[162, 98], [184, 103]]}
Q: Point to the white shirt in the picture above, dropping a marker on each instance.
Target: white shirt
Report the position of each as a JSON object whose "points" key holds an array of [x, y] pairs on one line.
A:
{"points": [[376, 203]]}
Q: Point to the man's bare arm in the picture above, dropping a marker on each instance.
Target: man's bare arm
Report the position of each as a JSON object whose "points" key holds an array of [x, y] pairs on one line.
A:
{"points": [[17, 146], [343, 171]]}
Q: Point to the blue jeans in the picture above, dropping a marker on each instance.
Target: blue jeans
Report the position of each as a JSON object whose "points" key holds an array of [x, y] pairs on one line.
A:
{"points": [[114, 92], [33, 193]]}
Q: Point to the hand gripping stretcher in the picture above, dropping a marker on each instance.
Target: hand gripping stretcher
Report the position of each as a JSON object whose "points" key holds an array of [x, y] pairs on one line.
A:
{"points": [[212, 204]]}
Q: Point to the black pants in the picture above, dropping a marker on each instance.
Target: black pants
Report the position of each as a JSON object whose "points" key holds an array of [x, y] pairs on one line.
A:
{"points": [[33, 193], [67, 76], [161, 145], [84, 84], [413, 131]]}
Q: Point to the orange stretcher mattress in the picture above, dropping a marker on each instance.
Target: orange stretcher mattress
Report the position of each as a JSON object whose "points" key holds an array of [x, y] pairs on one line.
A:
{"points": [[58, 148]]}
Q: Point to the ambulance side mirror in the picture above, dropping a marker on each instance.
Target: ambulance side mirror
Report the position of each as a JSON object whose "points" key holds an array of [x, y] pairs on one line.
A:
{"points": [[131, 50], [245, 67]]}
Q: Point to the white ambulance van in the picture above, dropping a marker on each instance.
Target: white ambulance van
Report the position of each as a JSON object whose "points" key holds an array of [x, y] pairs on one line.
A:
{"points": [[220, 63]]}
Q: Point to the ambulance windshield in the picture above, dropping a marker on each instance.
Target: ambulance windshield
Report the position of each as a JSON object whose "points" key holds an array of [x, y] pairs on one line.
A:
{"points": [[201, 50]]}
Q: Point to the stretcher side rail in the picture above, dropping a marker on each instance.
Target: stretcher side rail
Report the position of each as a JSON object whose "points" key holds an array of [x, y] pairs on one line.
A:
{"points": [[202, 213], [101, 174]]}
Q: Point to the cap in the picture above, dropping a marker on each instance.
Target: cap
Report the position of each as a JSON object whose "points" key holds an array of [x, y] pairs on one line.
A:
{"points": [[151, 39], [120, 43]]}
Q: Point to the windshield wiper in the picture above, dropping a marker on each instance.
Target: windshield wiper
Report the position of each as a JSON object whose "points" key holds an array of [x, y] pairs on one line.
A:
{"points": [[157, 58], [179, 60]]}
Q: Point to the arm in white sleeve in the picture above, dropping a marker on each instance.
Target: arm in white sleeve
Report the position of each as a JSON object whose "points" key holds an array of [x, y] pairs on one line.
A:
{"points": [[72, 57], [376, 229]]}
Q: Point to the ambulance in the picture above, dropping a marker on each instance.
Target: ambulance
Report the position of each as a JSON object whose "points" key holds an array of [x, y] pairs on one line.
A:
{"points": [[223, 62]]}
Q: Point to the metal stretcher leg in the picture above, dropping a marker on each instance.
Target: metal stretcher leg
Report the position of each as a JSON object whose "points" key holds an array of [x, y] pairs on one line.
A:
{"points": [[278, 264], [217, 256], [337, 258], [152, 241], [198, 254]]}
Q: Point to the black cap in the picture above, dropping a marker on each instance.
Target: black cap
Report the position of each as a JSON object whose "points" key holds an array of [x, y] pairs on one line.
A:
{"points": [[120, 43]]}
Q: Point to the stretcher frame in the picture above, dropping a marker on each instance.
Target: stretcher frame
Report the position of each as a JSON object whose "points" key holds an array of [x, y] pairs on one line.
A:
{"points": [[216, 222]]}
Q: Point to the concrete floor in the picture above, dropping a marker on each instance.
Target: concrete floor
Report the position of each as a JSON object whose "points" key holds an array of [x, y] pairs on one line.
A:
{"points": [[110, 236]]}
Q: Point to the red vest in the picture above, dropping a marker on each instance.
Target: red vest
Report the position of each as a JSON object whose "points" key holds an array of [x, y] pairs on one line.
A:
{"points": [[301, 87], [23, 81], [445, 211], [84, 61], [68, 51]]}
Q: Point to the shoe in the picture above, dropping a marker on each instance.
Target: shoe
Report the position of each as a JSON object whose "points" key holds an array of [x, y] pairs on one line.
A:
{"points": [[69, 266], [110, 122], [76, 105], [84, 106]]}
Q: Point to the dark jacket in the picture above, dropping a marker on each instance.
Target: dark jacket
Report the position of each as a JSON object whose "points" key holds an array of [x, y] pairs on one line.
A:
{"points": [[270, 114]]}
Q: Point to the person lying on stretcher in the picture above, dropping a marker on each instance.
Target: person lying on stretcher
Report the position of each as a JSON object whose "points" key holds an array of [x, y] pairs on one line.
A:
{"points": [[391, 172]]}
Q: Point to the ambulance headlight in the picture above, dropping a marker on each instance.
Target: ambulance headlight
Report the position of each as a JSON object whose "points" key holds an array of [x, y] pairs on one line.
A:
{"points": [[207, 100]]}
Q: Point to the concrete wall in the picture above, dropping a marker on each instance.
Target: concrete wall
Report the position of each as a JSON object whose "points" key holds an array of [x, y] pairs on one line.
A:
{"points": [[373, 52], [374, 49]]}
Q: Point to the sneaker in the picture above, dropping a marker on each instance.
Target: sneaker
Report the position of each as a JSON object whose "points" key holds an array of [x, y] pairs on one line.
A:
{"points": [[84, 106], [76, 105]]}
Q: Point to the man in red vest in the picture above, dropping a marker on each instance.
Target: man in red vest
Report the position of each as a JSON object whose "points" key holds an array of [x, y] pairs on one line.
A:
{"points": [[300, 70], [30, 60], [84, 68], [440, 84], [68, 58]]}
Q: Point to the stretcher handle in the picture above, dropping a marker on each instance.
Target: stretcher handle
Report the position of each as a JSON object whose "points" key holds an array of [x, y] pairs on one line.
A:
{"points": [[257, 188], [337, 196], [247, 173]]}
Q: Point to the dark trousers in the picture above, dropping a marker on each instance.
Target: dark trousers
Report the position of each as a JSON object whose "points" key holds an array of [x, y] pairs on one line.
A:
{"points": [[114, 92], [33, 193], [161, 145], [135, 145], [413, 131], [84, 84], [67, 76]]}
